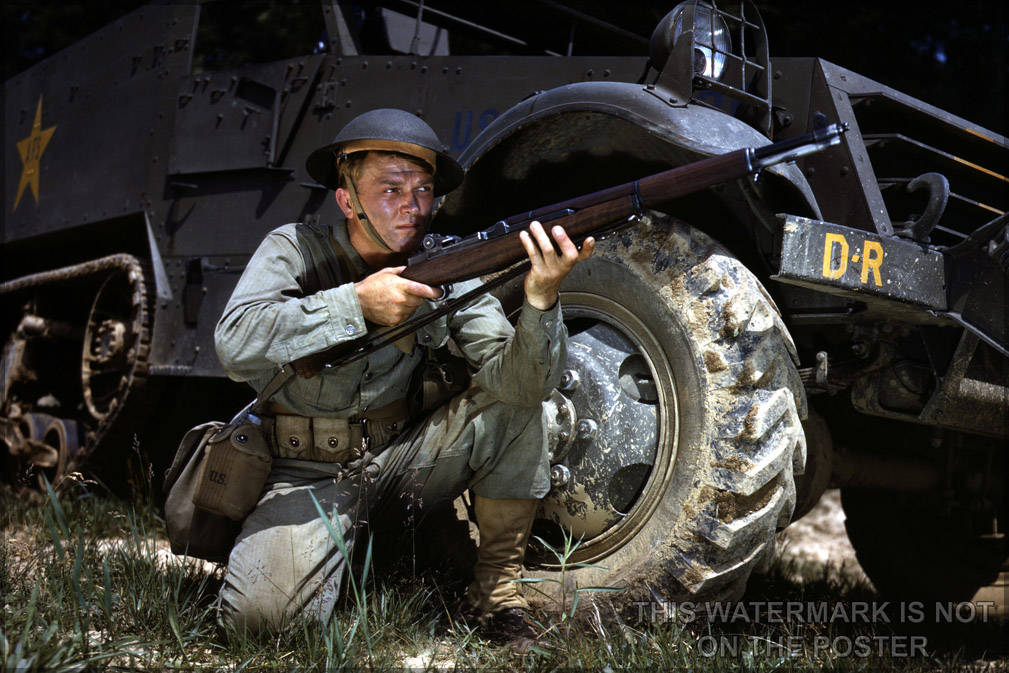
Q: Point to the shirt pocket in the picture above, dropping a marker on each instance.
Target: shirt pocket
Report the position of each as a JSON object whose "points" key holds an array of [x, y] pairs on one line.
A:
{"points": [[339, 386]]}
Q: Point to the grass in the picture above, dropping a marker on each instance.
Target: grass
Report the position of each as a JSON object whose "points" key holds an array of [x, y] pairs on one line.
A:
{"points": [[87, 584]]}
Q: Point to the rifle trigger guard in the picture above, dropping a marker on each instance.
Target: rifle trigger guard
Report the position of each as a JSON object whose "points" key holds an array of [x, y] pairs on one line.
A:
{"points": [[446, 290]]}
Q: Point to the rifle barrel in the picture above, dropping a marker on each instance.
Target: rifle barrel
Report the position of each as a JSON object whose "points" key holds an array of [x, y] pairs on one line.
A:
{"points": [[592, 213]]}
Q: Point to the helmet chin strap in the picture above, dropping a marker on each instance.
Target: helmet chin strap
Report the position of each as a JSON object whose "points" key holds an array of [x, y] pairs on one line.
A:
{"points": [[362, 217]]}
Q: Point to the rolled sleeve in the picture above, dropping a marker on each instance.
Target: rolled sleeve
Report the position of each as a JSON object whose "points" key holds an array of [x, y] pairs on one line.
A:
{"points": [[345, 312], [518, 365], [547, 325]]}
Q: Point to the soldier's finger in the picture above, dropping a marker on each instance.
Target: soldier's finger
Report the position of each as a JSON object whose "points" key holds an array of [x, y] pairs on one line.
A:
{"points": [[421, 290], [543, 241], [393, 269], [535, 256], [569, 253], [588, 246]]}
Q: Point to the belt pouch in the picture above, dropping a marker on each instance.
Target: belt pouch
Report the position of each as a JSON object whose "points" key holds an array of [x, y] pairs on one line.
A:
{"points": [[332, 441], [234, 472], [326, 440]]}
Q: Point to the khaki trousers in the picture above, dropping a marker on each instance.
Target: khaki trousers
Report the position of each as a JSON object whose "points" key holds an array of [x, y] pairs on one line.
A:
{"points": [[285, 563]]}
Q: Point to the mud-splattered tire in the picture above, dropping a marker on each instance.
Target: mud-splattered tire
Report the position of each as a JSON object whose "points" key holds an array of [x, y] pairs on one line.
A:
{"points": [[727, 409]]}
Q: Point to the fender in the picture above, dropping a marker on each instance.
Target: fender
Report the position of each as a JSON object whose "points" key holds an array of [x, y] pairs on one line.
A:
{"points": [[604, 119]]}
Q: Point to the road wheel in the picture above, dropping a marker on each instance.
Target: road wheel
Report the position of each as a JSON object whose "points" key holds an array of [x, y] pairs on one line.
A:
{"points": [[688, 428], [116, 343]]}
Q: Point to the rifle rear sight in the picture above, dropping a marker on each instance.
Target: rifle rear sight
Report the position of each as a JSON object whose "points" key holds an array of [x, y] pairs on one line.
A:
{"points": [[434, 244]]}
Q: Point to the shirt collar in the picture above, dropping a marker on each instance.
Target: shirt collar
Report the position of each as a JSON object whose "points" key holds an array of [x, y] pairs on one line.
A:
{"points": [[342, 238]]}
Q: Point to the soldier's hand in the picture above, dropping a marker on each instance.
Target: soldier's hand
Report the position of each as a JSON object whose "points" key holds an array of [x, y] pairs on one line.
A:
{"points": [[388, 299], [548, 268]]}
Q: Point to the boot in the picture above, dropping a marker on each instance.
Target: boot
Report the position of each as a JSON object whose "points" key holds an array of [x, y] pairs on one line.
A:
{"points": [[494, 596]]}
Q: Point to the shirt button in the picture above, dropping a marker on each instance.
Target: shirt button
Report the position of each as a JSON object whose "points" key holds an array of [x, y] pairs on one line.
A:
{"points": [[548, 323], [367, 377], [426, 338], [351, 329]]}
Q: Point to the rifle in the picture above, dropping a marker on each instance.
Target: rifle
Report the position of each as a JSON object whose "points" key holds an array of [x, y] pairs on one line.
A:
{"points": [[443, 260]]}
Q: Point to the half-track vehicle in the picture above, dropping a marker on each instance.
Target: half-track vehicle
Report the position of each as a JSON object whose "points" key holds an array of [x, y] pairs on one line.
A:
{"points": [[836, 321]]}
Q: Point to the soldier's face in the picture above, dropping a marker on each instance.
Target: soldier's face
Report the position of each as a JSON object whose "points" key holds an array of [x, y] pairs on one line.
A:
{"points": [[397, 195]]}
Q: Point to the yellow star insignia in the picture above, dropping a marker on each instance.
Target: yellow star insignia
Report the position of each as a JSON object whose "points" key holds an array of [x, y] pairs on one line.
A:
{"points": [[31, 149]]}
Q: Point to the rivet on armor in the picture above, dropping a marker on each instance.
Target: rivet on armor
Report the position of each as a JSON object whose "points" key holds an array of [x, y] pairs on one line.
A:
{"points": [[241, 439]]}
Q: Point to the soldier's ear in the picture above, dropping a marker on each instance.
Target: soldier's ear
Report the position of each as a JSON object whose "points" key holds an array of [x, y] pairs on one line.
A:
{"points": [[343, 200]]}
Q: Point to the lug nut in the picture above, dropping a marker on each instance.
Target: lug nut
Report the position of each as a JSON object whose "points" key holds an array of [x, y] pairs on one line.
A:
{"points": [[586, 428], [569, 381], [559, 476]]}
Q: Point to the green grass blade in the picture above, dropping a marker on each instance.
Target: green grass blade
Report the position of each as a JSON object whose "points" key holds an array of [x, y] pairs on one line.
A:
{"points": [[599, 589], [30, 615], [173, 622], [54, 533], [75, 574], [367, 563], [107, 597], [337, 538], [61, 516]]}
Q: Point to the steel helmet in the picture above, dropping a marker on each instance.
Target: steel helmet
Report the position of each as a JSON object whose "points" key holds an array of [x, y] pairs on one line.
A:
{"points": [[386, 129]]}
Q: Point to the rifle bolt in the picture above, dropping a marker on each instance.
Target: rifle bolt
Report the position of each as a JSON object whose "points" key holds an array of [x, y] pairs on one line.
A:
{"points": [[569, 381], [559, 476], [586, 428]]}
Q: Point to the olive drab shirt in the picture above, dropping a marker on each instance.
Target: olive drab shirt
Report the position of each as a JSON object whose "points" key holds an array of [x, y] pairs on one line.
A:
{"points": [[297, 297]]}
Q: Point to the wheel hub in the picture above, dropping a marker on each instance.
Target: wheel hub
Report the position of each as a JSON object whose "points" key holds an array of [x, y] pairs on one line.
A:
{"points": [[611, 451], [109, 363], [109, 341]]}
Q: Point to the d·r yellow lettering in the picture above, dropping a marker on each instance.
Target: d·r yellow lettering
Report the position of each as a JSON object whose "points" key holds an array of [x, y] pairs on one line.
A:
{"points": [[829, 270], [872, 257]]}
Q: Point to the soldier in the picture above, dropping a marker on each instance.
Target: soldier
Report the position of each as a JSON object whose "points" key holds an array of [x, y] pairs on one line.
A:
{"points": [[350, 436]]}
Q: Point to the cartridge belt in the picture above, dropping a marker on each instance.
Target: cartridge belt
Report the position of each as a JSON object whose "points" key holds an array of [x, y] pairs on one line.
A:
{"points": [[336, 440]]}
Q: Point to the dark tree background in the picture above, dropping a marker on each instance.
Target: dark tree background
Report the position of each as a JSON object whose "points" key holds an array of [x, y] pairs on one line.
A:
{"points": [[951, 54]]}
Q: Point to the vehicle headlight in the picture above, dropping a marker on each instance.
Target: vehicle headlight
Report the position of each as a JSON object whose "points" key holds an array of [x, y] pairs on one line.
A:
{"points": [[711, 38]]}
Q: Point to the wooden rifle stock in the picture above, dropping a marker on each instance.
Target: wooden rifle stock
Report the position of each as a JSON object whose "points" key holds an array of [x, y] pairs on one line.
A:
{"points": [[592, 213], [452, 260]]}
